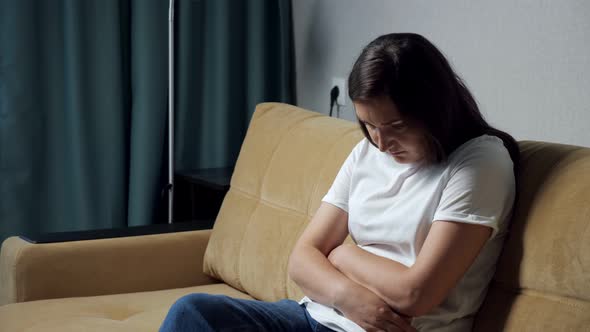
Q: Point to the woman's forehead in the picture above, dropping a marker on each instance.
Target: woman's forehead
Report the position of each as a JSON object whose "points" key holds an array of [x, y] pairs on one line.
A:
{"points": [[378, 111]]}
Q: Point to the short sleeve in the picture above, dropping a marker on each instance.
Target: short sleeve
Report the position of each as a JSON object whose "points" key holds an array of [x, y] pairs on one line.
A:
{"points": [[481, 187], [339, 192]]}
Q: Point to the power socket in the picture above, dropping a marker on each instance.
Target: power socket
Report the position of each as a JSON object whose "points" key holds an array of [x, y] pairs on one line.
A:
{"points": [[343, 92]]}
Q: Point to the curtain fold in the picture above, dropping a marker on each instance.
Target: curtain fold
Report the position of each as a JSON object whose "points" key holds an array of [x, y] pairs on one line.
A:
{"points": [[83, 102], [233, 55], [149, 91]]}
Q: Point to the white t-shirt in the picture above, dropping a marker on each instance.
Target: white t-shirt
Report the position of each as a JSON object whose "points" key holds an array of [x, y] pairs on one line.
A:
{"points": [[391, 207]]}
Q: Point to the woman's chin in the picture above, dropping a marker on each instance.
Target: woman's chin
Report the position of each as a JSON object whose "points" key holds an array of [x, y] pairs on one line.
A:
{"points": [[400, 157], [403, 158]]}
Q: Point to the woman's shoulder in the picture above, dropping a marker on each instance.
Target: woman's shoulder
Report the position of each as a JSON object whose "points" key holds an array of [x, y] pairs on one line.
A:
{"points": [[485, 144], [486, 149]]}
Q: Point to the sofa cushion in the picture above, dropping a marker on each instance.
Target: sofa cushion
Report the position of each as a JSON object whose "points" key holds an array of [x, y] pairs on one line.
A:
{"points": [[528, 310], [542, 282], [287, 163], [143, 311]]}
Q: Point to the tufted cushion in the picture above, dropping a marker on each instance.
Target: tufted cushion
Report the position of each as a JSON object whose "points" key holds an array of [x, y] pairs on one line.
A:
{"points": [[287, 163], [542, 282], [142, 311]]}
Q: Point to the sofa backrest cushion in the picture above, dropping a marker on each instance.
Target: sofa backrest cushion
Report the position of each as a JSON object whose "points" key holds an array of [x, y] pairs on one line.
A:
{"points": [[542, 282], [287, 163]]}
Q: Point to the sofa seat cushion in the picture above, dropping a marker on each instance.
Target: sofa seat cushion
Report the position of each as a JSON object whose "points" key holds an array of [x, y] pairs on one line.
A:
{"points": [[142, 311]]}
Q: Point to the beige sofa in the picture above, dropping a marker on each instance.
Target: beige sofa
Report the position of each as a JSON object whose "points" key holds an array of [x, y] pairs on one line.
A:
{"points": [[288, 161]]}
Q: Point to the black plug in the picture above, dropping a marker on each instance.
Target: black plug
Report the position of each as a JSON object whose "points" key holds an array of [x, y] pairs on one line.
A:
{"points": [[334, 93]]}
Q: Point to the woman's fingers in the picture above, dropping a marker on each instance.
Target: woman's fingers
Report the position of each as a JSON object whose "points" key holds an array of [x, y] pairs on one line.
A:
{"points": [[400, 322], [390, 321]]}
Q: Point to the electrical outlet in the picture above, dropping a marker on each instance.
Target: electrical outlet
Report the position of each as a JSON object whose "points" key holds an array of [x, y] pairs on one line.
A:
{"points": [[343, 92]]}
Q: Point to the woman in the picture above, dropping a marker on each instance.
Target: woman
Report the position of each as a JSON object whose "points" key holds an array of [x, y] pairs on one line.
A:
{"points": [[426, 196]]}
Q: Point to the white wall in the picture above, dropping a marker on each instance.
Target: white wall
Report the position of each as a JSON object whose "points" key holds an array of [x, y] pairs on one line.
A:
{"points": [[526, 62]]}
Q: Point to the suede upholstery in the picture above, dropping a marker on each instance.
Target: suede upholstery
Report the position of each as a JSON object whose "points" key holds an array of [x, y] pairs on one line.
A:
{"points": [[277, 185], [288, 161], [542, 282], [32, 272]]}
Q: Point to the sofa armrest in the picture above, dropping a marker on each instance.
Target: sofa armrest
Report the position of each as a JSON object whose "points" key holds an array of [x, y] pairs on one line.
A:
{"points": [[35, 271]]}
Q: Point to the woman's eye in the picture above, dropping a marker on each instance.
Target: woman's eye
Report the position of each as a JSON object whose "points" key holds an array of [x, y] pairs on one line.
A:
{"points": [[398, 126]]}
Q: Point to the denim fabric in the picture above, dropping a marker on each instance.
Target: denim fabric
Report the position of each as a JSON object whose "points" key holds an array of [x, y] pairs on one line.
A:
{"points": [[206, 313]]}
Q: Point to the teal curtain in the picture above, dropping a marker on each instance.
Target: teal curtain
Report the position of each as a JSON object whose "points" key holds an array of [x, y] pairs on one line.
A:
{"points": [[83, 102], [236, 54]]}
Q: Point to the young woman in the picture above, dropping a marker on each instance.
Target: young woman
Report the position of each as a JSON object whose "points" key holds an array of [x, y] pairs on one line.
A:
{"points": [[426, 196]]}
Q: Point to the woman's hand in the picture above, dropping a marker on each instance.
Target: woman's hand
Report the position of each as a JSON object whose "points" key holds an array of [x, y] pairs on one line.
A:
{"points": [[370, 312]]}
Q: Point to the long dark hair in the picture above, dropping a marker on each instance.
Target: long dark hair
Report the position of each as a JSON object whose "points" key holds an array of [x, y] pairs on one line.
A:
{"points": [[417, 77]]}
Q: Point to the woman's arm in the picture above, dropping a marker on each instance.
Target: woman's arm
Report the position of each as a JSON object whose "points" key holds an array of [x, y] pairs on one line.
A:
{"points": [[308, 265], [321, 281], [448, 251]]}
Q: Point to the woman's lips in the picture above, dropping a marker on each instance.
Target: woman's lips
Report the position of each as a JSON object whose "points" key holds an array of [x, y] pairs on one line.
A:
{"points": [[396, 153]]}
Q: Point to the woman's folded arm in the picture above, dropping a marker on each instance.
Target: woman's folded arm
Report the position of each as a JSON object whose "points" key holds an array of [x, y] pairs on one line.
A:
{"points": [[448, 251], [311, 270]]}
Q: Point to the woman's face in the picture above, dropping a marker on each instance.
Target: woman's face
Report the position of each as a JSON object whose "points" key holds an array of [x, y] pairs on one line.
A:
{"points": [[392, 134]]}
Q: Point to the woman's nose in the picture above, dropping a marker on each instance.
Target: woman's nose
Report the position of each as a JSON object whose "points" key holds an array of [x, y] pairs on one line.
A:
{"points": [[380, 142]]}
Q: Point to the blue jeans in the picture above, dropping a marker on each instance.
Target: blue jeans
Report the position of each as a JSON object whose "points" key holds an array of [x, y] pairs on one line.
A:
{"points": [[206, 312]]}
